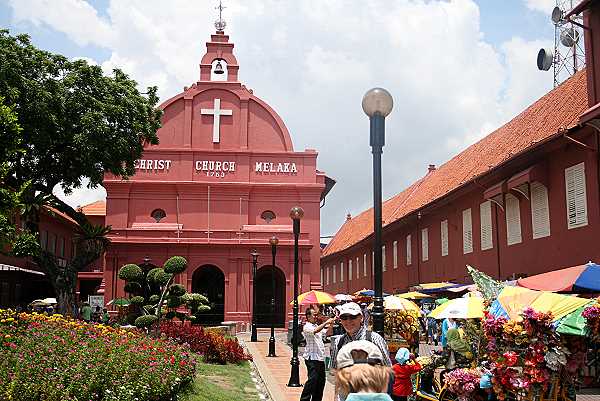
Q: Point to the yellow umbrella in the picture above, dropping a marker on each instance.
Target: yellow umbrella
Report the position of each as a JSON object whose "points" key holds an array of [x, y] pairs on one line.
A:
{"points": [[460, 308], [314, 297], [413, 295], [392, 302]]}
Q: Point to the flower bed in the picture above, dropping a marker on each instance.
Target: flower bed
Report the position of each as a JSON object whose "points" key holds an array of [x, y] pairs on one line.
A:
{"points": [[54, 358], [214, 347]]}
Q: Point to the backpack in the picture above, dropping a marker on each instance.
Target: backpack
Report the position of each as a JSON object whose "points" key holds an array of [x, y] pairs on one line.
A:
{"points": [[340, 345]]}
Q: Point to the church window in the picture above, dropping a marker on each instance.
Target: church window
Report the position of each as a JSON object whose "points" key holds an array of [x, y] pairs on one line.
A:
{"points": [[158, 215], [267, 216]]}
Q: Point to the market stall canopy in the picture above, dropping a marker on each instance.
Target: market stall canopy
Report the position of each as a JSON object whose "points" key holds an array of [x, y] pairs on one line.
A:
{"points": [[432, 288], [460, 308], [392, 302], [574, 323], [584, 278], [315, 297], [513, 300], [413, 295]]}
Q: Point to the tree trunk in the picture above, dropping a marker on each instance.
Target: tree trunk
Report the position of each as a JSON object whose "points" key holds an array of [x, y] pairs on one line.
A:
{"points": [[66, 300]]}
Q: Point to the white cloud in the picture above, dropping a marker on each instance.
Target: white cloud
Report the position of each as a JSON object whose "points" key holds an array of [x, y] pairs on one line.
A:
{"points": [[81, 196], [544, 6], [313, 60]]}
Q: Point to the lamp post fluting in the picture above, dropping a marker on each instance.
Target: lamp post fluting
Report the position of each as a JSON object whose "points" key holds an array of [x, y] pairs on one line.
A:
{"points": [[296, 215], [253, 336], [273, 241], [377, 103]]}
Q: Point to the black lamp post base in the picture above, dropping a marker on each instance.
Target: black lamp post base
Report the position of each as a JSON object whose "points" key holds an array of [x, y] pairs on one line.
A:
{"points": [[295, 373], [253, 336], [271, 347]]}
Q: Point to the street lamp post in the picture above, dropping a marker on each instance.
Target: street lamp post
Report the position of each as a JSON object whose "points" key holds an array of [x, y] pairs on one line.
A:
{"points": [[296, 215], [377, 103], [273, 241], [253, 337]]}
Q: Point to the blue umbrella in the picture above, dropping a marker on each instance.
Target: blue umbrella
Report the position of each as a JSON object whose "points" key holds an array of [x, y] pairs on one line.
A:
{"points": [[370, 293]]}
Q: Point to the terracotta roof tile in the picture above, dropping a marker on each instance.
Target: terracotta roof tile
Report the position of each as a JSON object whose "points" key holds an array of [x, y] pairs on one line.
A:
{"points": [[558, 109], [97, 208]]}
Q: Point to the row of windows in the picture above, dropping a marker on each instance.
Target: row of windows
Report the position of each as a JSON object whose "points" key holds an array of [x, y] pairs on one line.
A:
{"points": [[52, 243], [576, 201]]}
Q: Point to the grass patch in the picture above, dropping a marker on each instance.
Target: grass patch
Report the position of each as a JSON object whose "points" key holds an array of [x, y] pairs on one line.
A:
{"points": [[222, 383]]}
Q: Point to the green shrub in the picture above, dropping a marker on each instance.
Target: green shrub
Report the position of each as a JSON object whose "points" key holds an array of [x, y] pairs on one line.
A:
{"points": [[137, 300], [145, 321], [173, 302], [162, 278], [149, 309], [132, 287], [177, 290], [151, 276], [131, 272], [154, 299], [175, 265]]}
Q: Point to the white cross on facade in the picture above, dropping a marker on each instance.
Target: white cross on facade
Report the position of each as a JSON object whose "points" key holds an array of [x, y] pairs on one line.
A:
{"points": [[217, 112]]}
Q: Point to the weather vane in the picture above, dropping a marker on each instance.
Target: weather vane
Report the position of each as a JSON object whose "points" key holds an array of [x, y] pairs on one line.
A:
{"points": [[220, 24]]}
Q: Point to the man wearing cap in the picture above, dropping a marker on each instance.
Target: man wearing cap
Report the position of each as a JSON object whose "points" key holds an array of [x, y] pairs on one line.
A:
{"points": [[351, 318]]}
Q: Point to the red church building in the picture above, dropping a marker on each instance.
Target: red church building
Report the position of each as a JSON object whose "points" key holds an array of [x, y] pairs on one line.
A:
{"points": [[219, 185], [523, 200]]}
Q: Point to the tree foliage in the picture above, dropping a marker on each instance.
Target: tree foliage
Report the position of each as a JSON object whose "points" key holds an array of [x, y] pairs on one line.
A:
{"points": [[63, 122]]}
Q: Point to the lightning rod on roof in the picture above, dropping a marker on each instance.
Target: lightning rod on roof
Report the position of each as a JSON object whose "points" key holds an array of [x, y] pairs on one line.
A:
{"points": [[568, 55]]}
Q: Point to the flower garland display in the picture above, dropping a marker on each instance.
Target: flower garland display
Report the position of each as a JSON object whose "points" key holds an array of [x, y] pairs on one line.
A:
{"points": [[592, 317], [463, 382], [525, 354], [402, 324]]}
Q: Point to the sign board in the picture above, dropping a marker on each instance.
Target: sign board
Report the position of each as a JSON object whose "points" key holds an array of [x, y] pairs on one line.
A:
{"points": [[96, 300]]}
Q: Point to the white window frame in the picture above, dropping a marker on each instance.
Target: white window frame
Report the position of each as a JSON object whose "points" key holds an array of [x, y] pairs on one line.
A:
{"points": [[513, 220], [444, 237], [540, 210], [341, 272], [408, 250], [467, 225], [486, 227], [424, 245], [349, 269], [576, 196], [334, 273], [365, 264], [327, 274], [357, 267], [395, 254], [383, 266]]}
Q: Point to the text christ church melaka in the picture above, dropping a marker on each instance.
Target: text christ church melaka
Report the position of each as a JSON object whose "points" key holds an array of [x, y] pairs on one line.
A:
{"points": [[219, 185]]}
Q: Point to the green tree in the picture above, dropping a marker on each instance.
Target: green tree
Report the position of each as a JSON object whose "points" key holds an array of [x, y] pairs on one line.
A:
{"points": [[155, 296], [75, 124]]}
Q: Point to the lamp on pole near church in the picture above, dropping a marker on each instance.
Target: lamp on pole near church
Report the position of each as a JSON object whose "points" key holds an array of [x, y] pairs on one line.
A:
{"points": [[253, 336], [296, 215], [377, 103], [273, 241]]}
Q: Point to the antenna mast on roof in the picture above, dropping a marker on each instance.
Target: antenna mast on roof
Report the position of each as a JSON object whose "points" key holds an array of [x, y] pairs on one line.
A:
{"points": [[220, 24], [568, 55]]}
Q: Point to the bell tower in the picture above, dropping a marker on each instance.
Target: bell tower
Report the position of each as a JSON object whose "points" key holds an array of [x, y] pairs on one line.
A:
{"points": [[219, 51]]}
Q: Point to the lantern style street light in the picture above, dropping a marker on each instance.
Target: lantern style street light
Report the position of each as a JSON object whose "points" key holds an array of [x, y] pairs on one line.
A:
{"points": [[377, 103], [273, 241], [296, 215], [253, 336]]}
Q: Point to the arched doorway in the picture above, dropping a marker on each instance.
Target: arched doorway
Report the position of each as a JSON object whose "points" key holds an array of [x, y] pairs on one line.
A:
{"points": [[209, 280], [264, 293]]}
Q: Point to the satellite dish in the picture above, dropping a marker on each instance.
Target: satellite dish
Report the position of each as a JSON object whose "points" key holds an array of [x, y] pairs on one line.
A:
{"points": [[544, 59], [557, 15], [569, 37]]}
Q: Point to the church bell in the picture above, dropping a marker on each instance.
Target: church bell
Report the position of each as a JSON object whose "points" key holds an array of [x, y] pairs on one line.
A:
{"points": [[219, 68]]}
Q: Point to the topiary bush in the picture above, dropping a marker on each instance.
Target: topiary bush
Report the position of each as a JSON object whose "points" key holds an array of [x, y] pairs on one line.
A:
{"points": [[155, 295], [175, 265], [145, 321], [177, 290], [131, 272]]}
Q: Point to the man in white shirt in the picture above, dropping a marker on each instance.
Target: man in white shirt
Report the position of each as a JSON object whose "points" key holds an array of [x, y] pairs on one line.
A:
{"points": [[314, 353]]}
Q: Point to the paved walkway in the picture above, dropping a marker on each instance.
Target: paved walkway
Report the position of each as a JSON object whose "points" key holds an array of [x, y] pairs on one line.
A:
{"points": [[275, 372]]}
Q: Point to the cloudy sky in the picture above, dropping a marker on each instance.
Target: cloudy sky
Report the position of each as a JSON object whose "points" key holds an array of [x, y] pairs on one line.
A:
{"points": [[457, 69]]}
